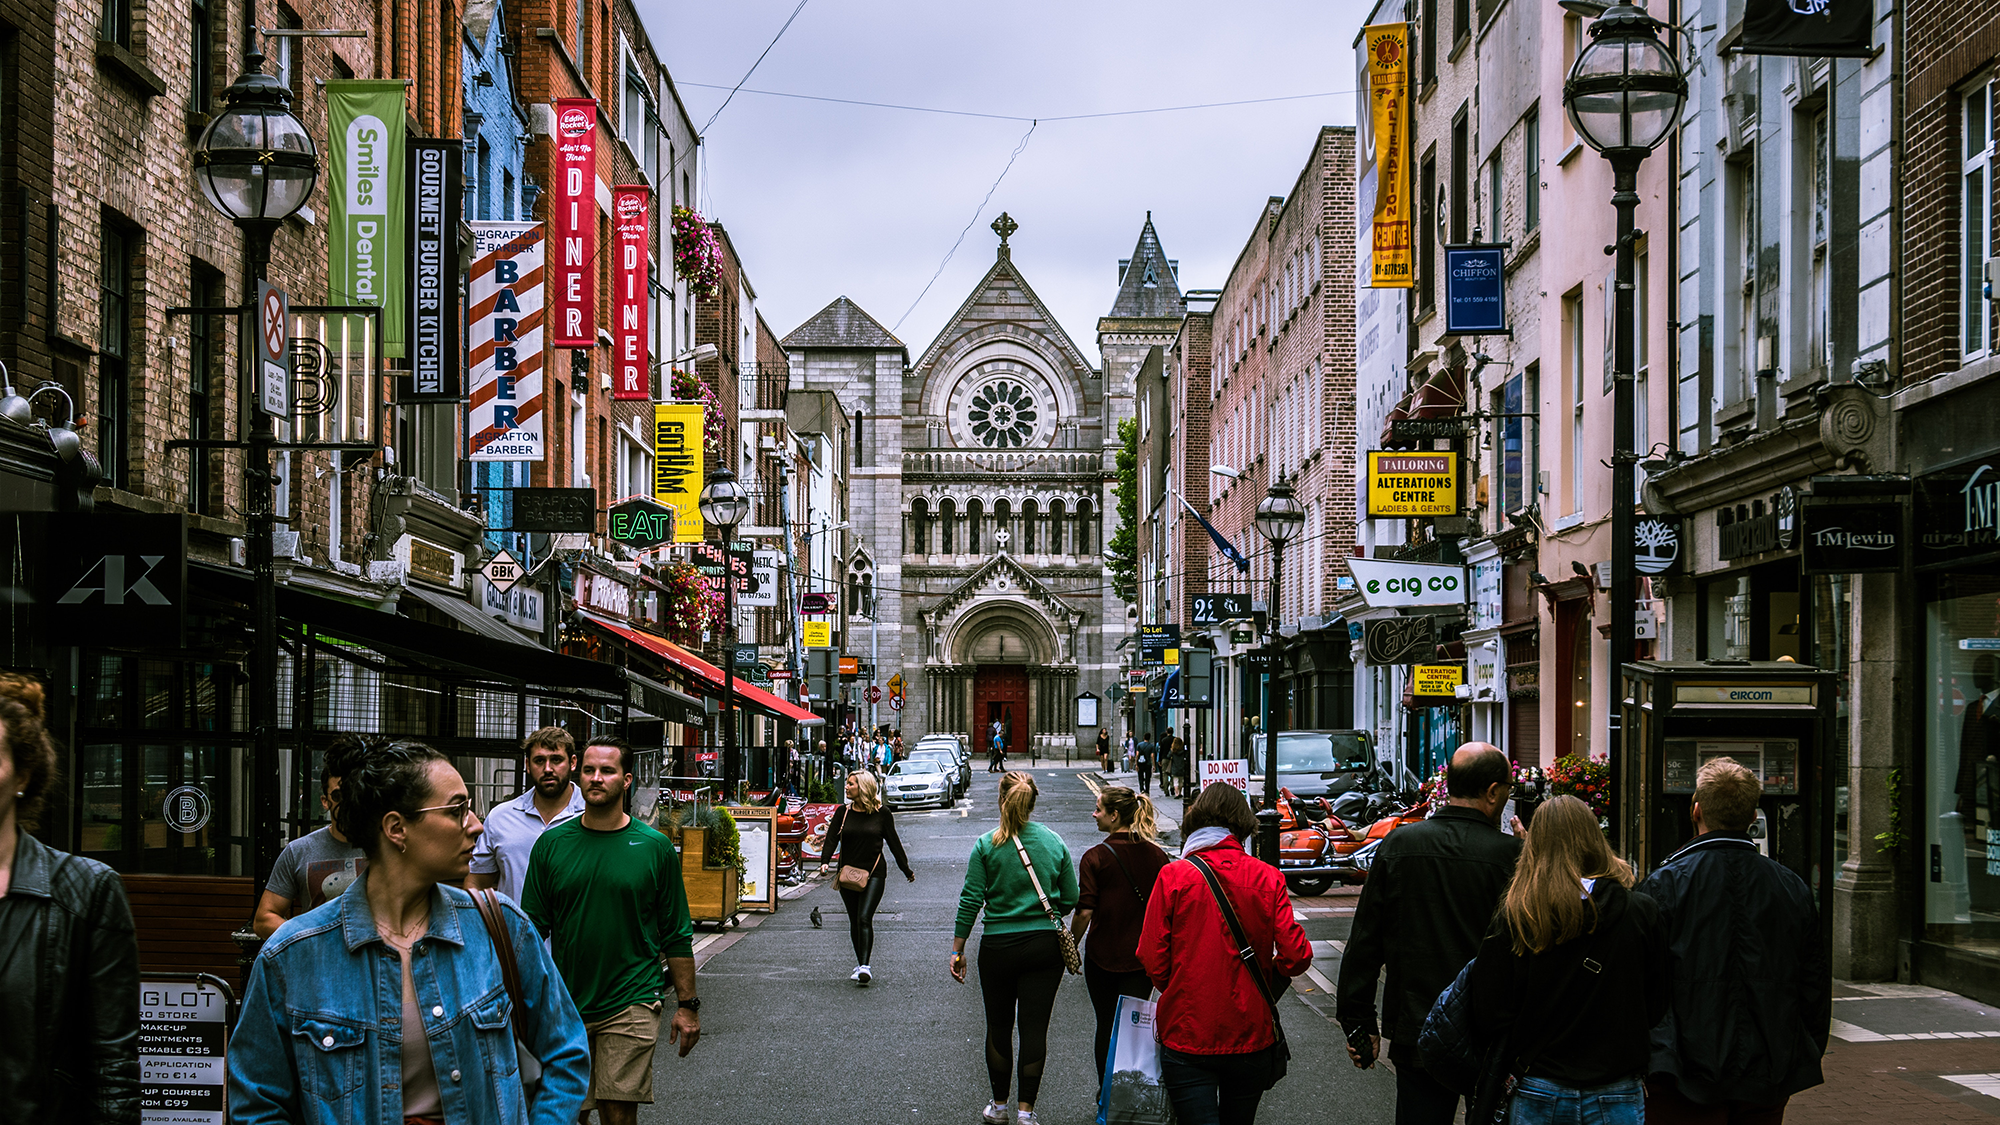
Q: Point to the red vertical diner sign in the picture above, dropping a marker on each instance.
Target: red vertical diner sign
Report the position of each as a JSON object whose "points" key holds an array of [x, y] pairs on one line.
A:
{"points": [[573, 257], [631, 279]]}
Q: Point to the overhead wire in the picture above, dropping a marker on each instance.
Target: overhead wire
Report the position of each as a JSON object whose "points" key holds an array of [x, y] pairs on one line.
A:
{"points": [[976, 213], [754, 65], [1013, 116]]}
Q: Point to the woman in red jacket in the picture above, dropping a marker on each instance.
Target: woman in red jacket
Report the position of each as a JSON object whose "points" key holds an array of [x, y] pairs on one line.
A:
{"points": [[1217, 1031]]}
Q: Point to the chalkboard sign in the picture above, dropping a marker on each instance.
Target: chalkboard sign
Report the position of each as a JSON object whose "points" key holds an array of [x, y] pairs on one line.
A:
{"points": [[555, 509], [1400, 640]]}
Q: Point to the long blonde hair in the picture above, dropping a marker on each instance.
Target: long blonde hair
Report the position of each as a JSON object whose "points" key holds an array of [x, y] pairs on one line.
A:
{"points": [[1017, 803], [1544, 906], [1133, 810], [867, 794]]}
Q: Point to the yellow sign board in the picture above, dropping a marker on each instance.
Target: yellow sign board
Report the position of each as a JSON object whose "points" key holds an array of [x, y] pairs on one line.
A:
{"points": [[677, 465], [1173, 656], [1392, 265], [1436, 679], [816, 634], [1412, 484]]}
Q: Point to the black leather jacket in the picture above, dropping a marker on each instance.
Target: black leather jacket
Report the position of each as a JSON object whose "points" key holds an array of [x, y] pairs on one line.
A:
{"points": [[67, 941]]}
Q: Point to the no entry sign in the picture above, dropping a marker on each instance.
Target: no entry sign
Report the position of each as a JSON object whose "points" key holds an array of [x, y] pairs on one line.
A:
{"points": [[273, 341]]}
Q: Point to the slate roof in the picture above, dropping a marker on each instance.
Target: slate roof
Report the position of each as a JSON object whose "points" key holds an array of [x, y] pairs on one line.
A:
{"points": [[841, 324], [1149, 287]]}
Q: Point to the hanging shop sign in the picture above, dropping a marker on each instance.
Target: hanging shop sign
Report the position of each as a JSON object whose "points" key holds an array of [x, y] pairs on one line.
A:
{"points": [[502, 571], [573, 226], [677, 466], [631, 291], [1412, 484], [603, 593], [1399, 640], [1753, 528], [1386, 582], [1958, 514], [1424, 429], [365, 183], [816, 634], [553, 510], [1156, 642], [1852, 537], [1475, 291], [761, 588], [1656, 546], [433, 562], [1392, 260], [1210, 609], [113, 575], [816, 603], [436, 191], [1813, 28], [1436, 679], [507, 412], [641, 523]]}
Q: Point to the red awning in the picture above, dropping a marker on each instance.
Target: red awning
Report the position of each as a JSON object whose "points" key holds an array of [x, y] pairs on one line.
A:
{"points": [[1442, 396], [747, 693]]}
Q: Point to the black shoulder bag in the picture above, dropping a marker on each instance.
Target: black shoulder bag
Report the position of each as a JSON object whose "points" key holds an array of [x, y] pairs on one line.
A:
{"points": [[1281, 1051]]}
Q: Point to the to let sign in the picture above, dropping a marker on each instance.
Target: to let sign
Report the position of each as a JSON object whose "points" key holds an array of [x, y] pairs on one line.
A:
{"points": [[1412, 484]]}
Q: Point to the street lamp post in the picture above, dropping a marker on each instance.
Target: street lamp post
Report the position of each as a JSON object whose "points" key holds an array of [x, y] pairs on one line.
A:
{"points": [[724, 504], [257, 166], [1279, 518], [1624, 96]]}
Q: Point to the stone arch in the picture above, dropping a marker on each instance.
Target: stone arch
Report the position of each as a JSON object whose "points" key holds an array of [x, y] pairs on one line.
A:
{"points": [[1085, 530], [995, 625], [975, 511], [920, 527]]}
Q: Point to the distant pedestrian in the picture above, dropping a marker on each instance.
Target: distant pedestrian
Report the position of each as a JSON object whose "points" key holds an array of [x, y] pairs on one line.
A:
{"points": [[1148, 753], [996, 751], [1012, 871], [858, 831], [606, 889], [1423, 912], [1103, 749], [1218, 1030], [1574, 974], [1126, 753], [1744, 943], [69, 979], [1116, 879], [500, 861], [386, 1004], [318, 866], [1173, 776]]}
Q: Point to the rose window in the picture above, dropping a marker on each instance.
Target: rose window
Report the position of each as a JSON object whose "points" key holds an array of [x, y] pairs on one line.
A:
{"points": [[1003, 415]]}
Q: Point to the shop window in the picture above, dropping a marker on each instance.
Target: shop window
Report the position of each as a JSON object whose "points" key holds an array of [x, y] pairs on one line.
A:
{"points": [[1977, 217], [1531, 181], [1961, 814], [1426, 235], [1461, 175], [117, 25]]}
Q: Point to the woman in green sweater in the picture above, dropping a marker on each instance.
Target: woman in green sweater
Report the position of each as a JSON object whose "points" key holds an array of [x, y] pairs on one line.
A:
{"points": [[1020, 958]]}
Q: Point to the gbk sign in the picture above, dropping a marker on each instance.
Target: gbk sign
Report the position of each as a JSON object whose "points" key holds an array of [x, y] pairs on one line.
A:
{"points": [[116, 575]]}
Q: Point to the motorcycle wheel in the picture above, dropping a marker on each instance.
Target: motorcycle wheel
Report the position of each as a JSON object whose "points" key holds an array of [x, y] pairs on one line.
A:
{"points": [[1309, 886]]}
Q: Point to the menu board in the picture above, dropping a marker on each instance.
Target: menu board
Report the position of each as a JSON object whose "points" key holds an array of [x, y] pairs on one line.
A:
{"points": [[183, 1028], [1775, 761]]}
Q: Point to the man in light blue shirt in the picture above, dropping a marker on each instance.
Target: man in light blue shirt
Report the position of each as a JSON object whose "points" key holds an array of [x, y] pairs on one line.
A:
{"points": [[500, 859]]}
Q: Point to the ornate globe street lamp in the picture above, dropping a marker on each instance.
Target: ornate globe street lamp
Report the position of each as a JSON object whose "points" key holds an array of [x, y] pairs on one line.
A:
{"points": [[1624, 96], [724, 504], [1279, 519]]}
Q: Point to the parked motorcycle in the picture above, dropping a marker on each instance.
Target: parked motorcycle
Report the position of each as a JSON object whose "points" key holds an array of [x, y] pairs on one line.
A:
{"points": [[1317, 846]]}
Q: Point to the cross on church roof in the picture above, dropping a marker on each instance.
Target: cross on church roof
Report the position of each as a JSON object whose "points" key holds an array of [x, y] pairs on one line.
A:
{"points": [[1004, 226]]}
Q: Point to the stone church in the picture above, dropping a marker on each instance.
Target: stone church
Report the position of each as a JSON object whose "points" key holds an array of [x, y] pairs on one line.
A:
{"points": [[981, 497]]}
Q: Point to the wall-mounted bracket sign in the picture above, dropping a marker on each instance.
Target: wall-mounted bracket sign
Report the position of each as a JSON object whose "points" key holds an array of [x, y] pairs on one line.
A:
{"points": [[1387, 582], [1475, 289], [815, 602], [552, 510], [641, 522], [1212, 608], [1405, 485], [1436, 679], [1400, 640]]}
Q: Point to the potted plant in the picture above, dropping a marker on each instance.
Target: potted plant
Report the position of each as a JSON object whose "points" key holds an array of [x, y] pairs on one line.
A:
{"points": [[697, 253], [1585, 778]]}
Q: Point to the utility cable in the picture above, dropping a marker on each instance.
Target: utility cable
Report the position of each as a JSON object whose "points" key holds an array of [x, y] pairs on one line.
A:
{"points": [[755, 65], [977, 212], [1014, 116]]}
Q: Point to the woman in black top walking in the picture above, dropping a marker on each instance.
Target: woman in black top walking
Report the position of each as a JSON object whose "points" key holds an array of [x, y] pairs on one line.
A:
{"points": [[1116, 878], [857, 832]]}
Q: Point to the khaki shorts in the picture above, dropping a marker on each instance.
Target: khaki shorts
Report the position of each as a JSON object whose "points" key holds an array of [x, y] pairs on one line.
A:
{"points": [[621, 1055]]}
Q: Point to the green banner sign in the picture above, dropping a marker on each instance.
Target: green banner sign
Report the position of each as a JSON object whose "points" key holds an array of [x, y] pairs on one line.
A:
{"points": [[365, 262]]}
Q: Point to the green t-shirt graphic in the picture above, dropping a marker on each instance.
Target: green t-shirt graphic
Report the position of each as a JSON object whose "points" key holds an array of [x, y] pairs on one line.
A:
{"points": [[613, 906]]}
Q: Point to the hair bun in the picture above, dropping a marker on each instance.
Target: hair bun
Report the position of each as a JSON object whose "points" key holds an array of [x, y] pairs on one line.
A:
{"points": [[24, 690]]}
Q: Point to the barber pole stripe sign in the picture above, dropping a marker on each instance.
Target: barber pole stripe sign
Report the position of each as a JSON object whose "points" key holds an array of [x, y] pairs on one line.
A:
{"points": [[506, 420], [573, 302], [631, 287]]}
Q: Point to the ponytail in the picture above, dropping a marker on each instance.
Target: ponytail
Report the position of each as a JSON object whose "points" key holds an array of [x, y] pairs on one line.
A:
{"points": [[1017, 803], [1133, 810]]}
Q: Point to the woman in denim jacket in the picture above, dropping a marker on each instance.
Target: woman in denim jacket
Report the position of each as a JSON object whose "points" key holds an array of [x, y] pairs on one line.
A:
{"points": [[387, 1004]]}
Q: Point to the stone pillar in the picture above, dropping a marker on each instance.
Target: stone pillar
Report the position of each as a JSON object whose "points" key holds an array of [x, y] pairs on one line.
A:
{"points": [[1865, 932]]}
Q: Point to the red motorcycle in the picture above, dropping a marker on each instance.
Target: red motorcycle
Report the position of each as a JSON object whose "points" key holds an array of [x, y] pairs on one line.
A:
{"points": [[1316, 848]]}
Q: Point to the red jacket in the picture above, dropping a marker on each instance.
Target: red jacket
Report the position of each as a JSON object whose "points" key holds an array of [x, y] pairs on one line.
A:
{"points": [[1209, 1005]]}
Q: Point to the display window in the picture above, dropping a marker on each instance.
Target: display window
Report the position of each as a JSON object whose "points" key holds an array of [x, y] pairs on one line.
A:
{"points": [[1961, 818]]}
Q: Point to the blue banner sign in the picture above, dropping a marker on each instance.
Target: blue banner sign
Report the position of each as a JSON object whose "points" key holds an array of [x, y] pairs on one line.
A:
{"points": [[1475, 292]]}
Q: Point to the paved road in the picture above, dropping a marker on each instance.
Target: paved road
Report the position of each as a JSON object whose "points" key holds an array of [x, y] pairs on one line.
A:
{"points": [[786, 1037]]}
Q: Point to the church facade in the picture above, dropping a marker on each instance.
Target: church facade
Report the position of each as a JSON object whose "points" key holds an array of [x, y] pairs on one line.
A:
{"points": [[981, 498]]}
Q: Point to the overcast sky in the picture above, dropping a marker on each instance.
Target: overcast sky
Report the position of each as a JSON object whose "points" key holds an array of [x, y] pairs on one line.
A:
{"points": [[824, 199]]}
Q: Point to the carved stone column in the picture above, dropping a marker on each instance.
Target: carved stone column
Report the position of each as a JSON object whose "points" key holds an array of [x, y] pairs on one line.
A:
{"points": [[1865, 932]]}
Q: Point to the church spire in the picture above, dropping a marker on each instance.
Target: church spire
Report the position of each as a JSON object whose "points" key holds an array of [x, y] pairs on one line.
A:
{"points": [[1148, 282]]}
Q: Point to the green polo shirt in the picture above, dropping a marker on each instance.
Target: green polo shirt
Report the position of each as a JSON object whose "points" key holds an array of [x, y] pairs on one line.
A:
{"points": [[614, 908]]}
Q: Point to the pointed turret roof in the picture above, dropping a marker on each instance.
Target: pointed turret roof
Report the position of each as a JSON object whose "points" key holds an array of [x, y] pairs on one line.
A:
{"points": [[841, 324], [1147, 285]]}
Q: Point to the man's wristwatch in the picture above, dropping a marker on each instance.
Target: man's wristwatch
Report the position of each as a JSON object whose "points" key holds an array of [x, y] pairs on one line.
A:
{"points": [[692, 1004]]}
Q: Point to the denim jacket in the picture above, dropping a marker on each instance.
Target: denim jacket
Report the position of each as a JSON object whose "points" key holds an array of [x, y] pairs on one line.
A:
{"points": [[320, 1038]]}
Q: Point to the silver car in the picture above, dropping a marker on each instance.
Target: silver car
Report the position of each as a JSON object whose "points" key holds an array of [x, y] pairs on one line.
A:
{"points": [[957, 767], [918, 781]]}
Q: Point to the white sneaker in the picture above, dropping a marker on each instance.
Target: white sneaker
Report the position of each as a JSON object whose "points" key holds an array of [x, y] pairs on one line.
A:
{"points": [[1027, 1117], [860, 974], [996, 1113]]}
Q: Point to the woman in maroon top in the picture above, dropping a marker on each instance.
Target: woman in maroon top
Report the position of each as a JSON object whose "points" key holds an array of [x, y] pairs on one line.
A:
{"points": [[1116, 878]]}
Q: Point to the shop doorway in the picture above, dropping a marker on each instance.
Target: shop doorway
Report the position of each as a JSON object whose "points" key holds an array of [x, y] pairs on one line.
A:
{"points": [[1000, 694]]}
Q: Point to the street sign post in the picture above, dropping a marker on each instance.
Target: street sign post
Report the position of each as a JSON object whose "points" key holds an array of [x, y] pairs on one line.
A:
{"points": [[274, 343], [896, 703]]}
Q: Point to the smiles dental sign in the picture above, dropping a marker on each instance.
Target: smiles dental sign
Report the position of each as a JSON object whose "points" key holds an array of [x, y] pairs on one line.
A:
{"points": [[365, 243]]}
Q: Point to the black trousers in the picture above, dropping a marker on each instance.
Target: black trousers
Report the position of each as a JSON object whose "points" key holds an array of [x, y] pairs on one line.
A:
{"points": [[1421, 1099], [1105, 988], [1018, 973], [861, 906], [1145, 776]]}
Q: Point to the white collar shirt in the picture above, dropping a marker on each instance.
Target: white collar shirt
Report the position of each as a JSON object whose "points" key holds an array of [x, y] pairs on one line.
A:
{"points": [[511, 831]]}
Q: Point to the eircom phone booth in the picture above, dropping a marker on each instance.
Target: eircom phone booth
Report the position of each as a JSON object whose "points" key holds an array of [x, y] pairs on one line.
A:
{"points": [[1775, 717]]}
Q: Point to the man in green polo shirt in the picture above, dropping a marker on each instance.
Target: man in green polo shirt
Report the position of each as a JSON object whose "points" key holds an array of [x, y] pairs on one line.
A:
{"points": [[607, 890]]}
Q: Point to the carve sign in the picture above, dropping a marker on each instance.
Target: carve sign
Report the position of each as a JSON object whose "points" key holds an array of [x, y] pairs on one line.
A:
{"points": [[1399, 640]]}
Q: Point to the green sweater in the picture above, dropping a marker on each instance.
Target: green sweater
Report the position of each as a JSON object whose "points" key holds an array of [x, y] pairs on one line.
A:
{"points": [[996, 882], [614, 906]]}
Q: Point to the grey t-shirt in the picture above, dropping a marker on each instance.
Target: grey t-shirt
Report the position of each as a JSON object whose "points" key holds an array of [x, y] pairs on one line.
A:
{"points": [[315, 868]]}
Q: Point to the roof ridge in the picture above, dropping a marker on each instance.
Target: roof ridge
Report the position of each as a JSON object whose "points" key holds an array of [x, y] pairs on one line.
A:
{"points": [[835, 327]]}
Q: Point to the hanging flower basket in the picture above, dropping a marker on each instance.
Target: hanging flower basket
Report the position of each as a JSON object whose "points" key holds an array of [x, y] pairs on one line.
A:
{"points": [[689, 387], [693, 604], [697, 253], [1586, 779]]}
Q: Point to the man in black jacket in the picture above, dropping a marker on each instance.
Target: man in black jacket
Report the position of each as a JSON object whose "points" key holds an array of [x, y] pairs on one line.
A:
{"points": [[1428, 900], [1752, 991]]}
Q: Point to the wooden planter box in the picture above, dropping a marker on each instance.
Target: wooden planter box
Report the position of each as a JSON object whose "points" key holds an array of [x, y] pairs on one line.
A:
{"points": [[713, 891]]}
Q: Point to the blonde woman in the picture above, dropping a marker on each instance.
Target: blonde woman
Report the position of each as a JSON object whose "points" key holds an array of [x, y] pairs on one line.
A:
{"points": [[1020, 954], [1116, 878], [1574, 973], [857, 832]]}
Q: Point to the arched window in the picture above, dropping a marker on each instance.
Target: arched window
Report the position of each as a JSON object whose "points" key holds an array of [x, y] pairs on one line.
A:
{"points": [[947, 516], [973, 510], [1055, 527], [1083, 535], [920, 529], [1002, 513], [1028, 513], [861, 591]]}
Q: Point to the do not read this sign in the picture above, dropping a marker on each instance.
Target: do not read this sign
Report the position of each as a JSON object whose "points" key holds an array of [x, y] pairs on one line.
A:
{"points": [[1234, 771]]}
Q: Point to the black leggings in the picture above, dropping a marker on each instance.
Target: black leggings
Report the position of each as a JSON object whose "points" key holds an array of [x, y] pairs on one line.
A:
{"points": [[1105, 988], [1019, 969], [861, 907]]}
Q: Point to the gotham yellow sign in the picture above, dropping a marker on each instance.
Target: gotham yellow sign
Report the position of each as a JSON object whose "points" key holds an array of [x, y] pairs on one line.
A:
{"points": [[1389, 100], [1410, 485], [677, 466]]}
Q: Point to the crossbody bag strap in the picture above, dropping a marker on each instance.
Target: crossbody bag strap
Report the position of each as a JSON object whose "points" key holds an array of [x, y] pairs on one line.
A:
{"points": [[1036, 880], [1244, 953], [1126, 871], [495, 918]]}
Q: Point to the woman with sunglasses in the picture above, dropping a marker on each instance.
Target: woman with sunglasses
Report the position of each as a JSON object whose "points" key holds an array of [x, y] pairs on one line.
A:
{"points": [[389, 1004]]}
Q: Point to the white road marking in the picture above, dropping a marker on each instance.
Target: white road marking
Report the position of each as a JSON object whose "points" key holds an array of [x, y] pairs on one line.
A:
{"points": [[1854, 1033], [1988, 1084]]}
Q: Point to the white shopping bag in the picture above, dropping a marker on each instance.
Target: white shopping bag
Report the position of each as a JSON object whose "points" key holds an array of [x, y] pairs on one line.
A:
{"points": [[1132, 1094]]}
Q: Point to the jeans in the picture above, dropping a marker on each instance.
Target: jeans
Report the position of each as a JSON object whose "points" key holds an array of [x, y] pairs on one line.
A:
{"points": [[1105, 988], [1145, 776], [1538, 1101], [1214, 1089]]}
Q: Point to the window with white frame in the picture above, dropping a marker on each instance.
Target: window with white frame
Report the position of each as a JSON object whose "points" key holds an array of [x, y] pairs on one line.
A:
{"points": [[1573, 338], [1977, 217], [1819, 289]]}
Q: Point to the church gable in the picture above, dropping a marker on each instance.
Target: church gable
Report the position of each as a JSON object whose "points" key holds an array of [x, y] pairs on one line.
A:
{"points": [[1003, 303]]}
